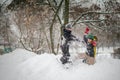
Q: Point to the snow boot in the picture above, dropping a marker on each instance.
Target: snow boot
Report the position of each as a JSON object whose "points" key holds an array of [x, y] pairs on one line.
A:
{"points": [[84, 60], [64, 59]]}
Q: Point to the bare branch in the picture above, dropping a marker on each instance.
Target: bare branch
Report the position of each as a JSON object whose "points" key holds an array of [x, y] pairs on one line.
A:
{"points": [[93, 12], [87, 21], [54, 9]]}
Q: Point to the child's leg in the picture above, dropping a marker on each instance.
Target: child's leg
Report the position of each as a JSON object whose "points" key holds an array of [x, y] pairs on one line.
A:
{"points": [[90, 60], [65, 49]]}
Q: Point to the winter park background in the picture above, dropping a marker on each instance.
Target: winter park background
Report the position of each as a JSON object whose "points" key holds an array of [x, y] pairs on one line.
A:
{"points": [[30, 39]]}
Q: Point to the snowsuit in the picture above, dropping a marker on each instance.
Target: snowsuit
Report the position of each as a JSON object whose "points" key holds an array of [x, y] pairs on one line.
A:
{"points": [[65, 47], [90, 47], [89, 55]]}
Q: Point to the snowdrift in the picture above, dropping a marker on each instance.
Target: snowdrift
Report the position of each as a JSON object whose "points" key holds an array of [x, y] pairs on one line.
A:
{"points": [[25, 65]]}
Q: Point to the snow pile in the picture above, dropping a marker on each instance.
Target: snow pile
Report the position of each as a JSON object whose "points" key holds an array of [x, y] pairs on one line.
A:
{"points": [[8, 62], [15, 57], [24, 65]]}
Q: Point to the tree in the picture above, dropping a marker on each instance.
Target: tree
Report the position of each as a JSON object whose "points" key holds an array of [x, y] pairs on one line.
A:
{"points": [[101, 20], [52, 14]]}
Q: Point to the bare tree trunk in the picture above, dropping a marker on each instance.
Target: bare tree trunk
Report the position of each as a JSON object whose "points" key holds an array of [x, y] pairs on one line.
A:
{"points": [[66, 12], [66, 15], [66, 20], [51, 28]]}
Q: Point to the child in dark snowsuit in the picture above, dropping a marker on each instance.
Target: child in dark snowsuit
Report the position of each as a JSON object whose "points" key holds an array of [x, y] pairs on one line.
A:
{"points": [[89, 56], [89, 45], [65, 47]]}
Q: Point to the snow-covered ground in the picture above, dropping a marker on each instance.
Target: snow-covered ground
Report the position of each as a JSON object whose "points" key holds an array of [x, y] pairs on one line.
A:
{"points": [[25, 65]]}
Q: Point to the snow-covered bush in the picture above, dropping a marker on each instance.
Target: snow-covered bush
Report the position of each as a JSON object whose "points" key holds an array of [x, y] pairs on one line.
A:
{"points": [[116, 53]]}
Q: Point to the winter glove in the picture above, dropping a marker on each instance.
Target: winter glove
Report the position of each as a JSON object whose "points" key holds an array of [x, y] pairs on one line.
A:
{"points": [[87, 30], [78, 40]]}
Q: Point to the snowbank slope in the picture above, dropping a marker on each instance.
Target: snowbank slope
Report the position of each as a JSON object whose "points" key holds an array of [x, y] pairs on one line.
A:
{"points": [[24, 65]]}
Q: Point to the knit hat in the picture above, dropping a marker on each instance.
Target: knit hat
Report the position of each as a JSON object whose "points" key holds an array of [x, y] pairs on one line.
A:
{"points": [[68, 26], [90, 36]]}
